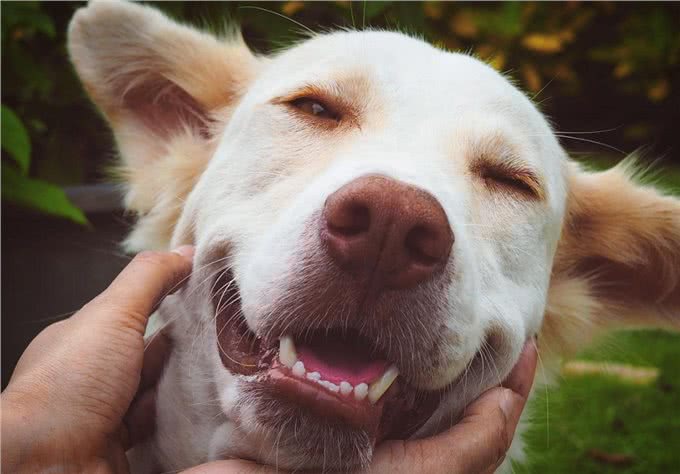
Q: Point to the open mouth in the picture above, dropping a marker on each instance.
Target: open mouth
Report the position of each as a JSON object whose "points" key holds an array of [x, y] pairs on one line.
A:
{"points": [[336, 373]]}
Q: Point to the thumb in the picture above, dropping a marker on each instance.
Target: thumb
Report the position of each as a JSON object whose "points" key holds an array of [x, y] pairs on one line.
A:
{"points": [[233, 467], [475, 444], [137, 290]]}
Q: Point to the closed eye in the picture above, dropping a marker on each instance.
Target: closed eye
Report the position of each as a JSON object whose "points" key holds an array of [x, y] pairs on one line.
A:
{"points": [[517, 180]]}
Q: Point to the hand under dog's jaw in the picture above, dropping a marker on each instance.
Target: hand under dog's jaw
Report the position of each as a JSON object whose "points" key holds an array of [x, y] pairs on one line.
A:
{"points": [[335, 374]]}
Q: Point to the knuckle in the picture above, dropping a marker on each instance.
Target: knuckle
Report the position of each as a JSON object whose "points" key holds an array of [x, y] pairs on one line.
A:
{"points": [[397, 452], [501, 435], [54, 328], [416, 452]]}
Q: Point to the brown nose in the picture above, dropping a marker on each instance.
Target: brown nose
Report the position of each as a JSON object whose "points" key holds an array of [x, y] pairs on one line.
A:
{"points": [[386, 232]]}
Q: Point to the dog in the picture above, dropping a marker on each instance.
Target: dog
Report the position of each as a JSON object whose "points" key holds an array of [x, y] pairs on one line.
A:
{"points": [[379, 225]]}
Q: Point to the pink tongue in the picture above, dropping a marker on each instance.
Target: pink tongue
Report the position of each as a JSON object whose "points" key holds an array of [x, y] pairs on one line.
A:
{"points": [[335, 364]]}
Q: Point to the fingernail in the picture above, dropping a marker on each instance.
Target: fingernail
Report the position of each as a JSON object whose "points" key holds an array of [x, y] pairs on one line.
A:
{"points": [[185, 251], [507, 403]]}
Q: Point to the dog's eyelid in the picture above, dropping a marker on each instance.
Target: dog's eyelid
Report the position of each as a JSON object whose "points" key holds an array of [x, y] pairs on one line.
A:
{"points": [[513, 174], [339, 108]]}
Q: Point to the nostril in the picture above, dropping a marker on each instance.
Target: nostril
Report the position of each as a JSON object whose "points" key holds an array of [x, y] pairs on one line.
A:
{"points": [[349, 220], [426, 246]]}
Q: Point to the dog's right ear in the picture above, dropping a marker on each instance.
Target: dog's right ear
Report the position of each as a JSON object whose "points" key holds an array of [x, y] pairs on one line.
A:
{"points": [[166, 90], [617, 264], [152, 77]]}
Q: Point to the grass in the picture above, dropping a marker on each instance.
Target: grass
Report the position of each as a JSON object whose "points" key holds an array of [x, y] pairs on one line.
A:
{"points": [[598, 424]]}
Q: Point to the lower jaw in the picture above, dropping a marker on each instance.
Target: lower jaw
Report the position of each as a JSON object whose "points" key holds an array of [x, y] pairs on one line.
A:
{"points": [[399, 413], [297, 439], [333, 408]]}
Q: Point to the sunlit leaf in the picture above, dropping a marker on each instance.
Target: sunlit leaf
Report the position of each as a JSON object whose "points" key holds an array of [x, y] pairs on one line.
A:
{"points": [[531, 77], [15, 140], [291, 8], [38, 195], [623, 69], [463, 24], [433, 10], [543, 43], [498, 61], [659, 90]]}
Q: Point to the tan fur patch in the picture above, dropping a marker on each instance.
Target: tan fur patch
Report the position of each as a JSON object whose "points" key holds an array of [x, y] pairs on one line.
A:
{"points": [[617, 263]]}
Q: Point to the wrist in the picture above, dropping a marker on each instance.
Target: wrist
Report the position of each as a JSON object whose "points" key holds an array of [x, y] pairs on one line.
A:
{"points": [[28, 444], [15, 447]]}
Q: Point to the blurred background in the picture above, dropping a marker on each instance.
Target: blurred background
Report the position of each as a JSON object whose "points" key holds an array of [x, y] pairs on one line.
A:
{"points": [[607, 74]]}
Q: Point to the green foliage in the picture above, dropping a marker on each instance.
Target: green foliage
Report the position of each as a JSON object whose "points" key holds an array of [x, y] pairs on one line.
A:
{"points": [[15, 139], [38, 195], [38, 87], [591, 65]]}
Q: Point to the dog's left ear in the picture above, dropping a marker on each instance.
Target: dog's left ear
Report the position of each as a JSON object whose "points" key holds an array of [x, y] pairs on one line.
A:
{"points": [[618, 260]]}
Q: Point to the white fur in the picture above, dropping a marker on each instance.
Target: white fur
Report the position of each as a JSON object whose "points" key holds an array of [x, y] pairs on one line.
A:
{"points": [[426, 114]]}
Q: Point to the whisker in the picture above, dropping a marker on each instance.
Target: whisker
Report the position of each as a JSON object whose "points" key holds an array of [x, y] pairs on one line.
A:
{"points": [[253, 7]]}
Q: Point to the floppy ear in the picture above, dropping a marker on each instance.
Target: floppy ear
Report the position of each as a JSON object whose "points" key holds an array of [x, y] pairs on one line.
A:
{"points": [[618, 260], [165, 89]]}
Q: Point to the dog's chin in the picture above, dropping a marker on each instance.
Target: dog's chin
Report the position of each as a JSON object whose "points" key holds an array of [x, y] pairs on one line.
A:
{"points": [[300, 438], [331, 415]]}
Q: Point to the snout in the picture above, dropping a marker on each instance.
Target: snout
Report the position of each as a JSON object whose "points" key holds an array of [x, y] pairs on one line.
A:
{"points": [[357, 334], [386, 233]]}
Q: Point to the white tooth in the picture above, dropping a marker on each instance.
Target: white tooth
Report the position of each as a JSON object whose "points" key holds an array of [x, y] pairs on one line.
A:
{"points": [[287, 354], [314, 376], [380, 386], [345, 388], [299, 369], [332, 387], [360, 391]]}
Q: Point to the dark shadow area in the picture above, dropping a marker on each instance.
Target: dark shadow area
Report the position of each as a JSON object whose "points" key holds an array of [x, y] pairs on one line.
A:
{"points": [[50, 268]]}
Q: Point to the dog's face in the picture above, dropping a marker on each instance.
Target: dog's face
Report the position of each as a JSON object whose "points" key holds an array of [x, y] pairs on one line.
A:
{"points": [[376, 223]]}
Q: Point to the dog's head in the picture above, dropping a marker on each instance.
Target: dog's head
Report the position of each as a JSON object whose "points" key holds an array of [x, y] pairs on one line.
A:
{"points": [[380, 225]]}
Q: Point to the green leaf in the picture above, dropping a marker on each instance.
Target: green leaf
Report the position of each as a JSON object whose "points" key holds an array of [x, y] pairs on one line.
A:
{"points": [[15, 139], [38, 195]]}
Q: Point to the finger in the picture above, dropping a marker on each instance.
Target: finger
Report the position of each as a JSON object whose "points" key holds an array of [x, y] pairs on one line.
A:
{"points": [[140, 420], [156, 353], [521, 377], [475, 444], [233, 467], [135, 293], [520, 380], [478, 442]]}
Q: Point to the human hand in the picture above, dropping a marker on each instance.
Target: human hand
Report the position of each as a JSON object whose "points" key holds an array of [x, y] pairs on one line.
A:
{"points": [[82, 392], [476, 444]]}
